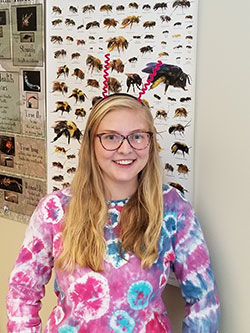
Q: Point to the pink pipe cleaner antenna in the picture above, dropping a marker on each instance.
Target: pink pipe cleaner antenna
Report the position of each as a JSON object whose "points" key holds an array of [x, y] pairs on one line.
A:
{"points": [[150, 79], [106, 75]]}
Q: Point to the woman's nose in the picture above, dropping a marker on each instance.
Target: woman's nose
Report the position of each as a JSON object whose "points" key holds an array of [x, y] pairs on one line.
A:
{"points": [[125, 147]]}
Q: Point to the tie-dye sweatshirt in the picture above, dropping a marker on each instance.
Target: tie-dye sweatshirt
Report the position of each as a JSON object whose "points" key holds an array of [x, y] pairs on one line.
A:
{"points": [[124, 298]]}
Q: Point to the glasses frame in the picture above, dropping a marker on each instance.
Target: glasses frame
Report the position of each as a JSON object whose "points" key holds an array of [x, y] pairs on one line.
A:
{"points": [[125, 138]]}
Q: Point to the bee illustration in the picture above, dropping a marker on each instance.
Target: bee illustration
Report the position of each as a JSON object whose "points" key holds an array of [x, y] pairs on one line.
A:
{"points": [[117, 65], [71, 156], [120, 43], [176, 35], [60, 150], [161, 114], [93, 83], [73, 9], [165, 18], [110, 22], [88, 8], [165, 32], [55, 189], [133, 59], [177, 47], [177, 24], [92, 24], [114, 85], [56, 10], [163, 54], [133, 80], [146, 6], [162, 5], [80, 26], [60, 86], [178, 186], [106, 8], [170, 75], [63, 70], [189, 26], [68, 129], [157, 96], [185, 99], [163, 42], [56, 39], [71, 170], [80, 42], [60, 53], [189, 17], [78, 73], [149, 37], [180, 146], [69, 22], [180, 112], [189, 37], [58, 178], [169, 167], [69, 39], [146, 49], [62, 106], [149, 24], [57, 165], [75, 55], [133, 5], [92, 37], [80, 113], [181, 3], [65, 185], [178, 128], [94, 63], [56, 22], [120, 8], [78, 94], [172, 99], [129, 21], [183, 168], [189, 47]]}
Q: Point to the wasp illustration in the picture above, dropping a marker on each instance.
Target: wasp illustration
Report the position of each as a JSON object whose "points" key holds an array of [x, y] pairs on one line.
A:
{"points": [[71, 156], [60, 86], [80, 42], [73, 9], [69, 22], [161, 114], [129, 21], [58, 178], [78, 95], [165, 18], [117, 65], [60, 53], [180, 112], [57, 165], [92, 24], [68, 129], [75, 55], [80, 113], [181, 3], [183, 168], [7, 182], [56, 10], [114, 85], [88, 8], [185, 99], [149, 37], [178, 186], [170, 75], [120, 8], [149, 24], [133, 80], [160, 5], [133, 5], [163, 54], [169, 167], [93, 83], [56, 39], [120, 43], [62, 106], [56, 22], [110, 22], [146, 49], [63, 70], [146, 6], [178, 128], [78, 73], [180, 146], [71, 170], [94, 63], [106, 8], [69, 39], [133, 59]]}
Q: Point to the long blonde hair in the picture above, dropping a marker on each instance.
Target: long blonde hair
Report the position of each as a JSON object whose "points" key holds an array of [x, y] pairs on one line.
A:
{"points": [[87, 213]]}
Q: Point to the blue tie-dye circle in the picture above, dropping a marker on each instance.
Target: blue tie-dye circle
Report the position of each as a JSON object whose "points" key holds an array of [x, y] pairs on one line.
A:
{"points": [[67, 329], [121, 322], [138, 294]]}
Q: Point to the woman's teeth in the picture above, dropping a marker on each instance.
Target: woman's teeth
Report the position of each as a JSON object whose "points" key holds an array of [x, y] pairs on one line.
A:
{"points": [[124, 162]]}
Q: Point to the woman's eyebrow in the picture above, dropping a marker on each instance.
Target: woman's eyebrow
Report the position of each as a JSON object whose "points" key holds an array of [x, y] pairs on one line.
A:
{"points": [[131, 132]]}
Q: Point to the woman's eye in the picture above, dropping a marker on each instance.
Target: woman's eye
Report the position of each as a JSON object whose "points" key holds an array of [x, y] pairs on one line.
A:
{"points": [[137, 136], [111, 137]]}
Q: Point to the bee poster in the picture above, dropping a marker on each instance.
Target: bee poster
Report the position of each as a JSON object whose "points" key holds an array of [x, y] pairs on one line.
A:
{"points": [[27, 37], [127, 39], [5, 37]]}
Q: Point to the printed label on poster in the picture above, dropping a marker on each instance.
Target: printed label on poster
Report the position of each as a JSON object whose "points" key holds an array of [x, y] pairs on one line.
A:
{"points": [[9, 102], [5, 50], [27, 35]]}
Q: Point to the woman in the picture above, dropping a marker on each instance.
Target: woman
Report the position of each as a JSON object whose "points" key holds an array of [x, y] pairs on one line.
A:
{"points": [[113, 238]]}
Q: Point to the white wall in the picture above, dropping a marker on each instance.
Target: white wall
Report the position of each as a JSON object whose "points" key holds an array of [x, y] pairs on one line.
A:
{"points": [[222, 165]]}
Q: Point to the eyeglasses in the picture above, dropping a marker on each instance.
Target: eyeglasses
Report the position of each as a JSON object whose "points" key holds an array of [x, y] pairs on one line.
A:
{"points": [[113, 141]]}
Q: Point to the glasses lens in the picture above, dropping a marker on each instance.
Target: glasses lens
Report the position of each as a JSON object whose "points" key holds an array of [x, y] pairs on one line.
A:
{"points": [[111, 141], [139, 140]]}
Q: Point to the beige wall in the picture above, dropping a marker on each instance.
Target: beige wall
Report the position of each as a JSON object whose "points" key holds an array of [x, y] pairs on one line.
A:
{"points": [[222, 166]]}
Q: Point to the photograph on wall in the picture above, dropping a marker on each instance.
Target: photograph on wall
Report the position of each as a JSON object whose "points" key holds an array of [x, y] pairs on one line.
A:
{"points": [[31, 81], [28, 37], [5, 36]]}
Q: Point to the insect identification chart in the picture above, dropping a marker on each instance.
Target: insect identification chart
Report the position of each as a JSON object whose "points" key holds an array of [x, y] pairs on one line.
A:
{"points": [[127, 40], [22, 109]]}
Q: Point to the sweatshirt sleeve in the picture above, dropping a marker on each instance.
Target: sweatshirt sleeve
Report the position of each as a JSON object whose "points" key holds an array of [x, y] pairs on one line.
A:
{"points": [[32, 270], [194, 273]]}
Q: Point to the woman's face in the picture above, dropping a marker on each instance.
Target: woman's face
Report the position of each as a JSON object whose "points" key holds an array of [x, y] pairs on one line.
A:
{"points": [[120, 168]]}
